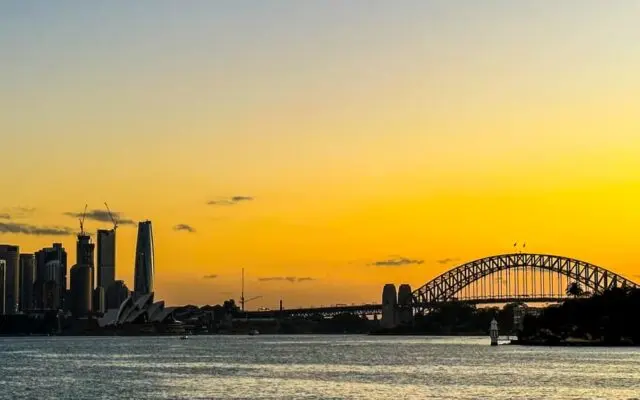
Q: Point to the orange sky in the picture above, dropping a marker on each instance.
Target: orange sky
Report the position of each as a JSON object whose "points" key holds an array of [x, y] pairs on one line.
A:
{"points": [[363, 132]]}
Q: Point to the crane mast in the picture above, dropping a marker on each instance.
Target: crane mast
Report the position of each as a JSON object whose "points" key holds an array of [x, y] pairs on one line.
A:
{"points": [[84, 214], [113, 220]]}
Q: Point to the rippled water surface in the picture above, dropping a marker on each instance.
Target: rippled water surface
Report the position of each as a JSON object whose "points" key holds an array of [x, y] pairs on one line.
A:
{"points": [[309, 367]]}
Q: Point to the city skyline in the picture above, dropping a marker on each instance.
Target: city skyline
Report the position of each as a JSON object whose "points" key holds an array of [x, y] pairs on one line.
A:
{"points": [[327, 149]]}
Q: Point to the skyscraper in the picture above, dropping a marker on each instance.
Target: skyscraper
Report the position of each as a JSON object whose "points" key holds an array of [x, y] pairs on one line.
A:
{"points": [[106, 258], [116, 294], [84, 253], [144, 263], [81, 293], [11, 256], [45, 261], [3, 280], [27, 280]]}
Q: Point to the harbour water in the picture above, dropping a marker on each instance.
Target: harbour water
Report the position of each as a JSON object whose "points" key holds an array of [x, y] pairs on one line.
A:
{"points": [[309, 367]]}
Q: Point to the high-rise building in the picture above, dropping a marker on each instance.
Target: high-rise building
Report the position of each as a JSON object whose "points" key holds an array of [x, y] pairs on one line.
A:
{"points": [[50, 296], [27, 280], [81, 293], [84, 254], [11, 255], [144, 262], [3, 285], [99, 300], [116, 294], [50, 260], [106, 270]]}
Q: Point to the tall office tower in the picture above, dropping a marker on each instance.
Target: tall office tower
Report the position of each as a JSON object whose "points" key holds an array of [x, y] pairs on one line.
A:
{"points": [[144, 267], [27, 280], [106, 258], [81, 293], [50, 299], [84, 253], [45, 261], [50, 295], [98, 300], [3, 284], [11, 255], [116, 294]]}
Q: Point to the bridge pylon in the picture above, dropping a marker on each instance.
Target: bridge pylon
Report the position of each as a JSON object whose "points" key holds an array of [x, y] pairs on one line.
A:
{"points": [[397, 307]]}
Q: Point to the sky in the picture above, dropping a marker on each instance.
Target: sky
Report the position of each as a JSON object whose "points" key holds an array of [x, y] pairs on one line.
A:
{"points": [[308, 141]]}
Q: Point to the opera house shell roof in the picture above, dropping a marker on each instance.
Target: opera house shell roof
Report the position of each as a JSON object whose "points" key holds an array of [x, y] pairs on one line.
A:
{"points": [[138, 310]]}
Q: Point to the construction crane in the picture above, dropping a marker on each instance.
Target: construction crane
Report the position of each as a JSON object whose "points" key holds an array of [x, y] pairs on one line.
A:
{"points": [[84, 214], [115, 223], [244, 301]]}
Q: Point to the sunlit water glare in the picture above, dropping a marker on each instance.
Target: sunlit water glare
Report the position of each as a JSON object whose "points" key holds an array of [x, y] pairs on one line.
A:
{"points": [[309, 367]]}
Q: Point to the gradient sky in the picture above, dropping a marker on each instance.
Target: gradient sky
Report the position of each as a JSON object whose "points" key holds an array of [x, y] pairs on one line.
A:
{"points": [[440, 131]]}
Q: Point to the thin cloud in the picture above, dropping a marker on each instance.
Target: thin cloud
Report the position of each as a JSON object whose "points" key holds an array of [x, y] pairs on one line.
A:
{"points": [[447, 260], [102, 216], [26, 229], [397, 262], [230, 201], [184, 228], [291, 279], [212, 276], [16, 212]]}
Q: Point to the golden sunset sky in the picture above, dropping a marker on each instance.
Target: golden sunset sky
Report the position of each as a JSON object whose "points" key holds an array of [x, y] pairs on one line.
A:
{"points": [[440, 131]]}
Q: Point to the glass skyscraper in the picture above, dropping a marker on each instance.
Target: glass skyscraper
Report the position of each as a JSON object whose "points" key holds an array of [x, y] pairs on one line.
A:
{"points": [[106, 258], [144, 263]]}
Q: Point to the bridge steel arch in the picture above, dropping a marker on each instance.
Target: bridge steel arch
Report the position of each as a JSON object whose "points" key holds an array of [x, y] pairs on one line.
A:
{"points": [[444, 287]]}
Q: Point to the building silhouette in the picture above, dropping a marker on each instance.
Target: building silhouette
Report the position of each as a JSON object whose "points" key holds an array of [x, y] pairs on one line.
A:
{"points": [[11, 254], [3, 285], [144, 262], [106, 258], [84, 251], [27, 281], [116, 294], [81, 292], [50, 296], [51, 265], [99, 300]]}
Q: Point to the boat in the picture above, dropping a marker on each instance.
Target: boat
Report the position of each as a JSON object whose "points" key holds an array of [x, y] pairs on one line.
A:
{"points": [[184, 337], [254, 332]]}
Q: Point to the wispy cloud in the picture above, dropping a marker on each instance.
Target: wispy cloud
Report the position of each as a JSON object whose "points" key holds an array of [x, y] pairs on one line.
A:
{"points": [[230, 201], [396, 262], [212, 276], [291, 279], [184, 228], [447, 260], [16, 212], [26, 229], [103, 216]]}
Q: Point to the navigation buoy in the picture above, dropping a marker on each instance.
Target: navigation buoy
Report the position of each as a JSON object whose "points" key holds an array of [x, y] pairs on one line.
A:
{"points": [[494, 332]]}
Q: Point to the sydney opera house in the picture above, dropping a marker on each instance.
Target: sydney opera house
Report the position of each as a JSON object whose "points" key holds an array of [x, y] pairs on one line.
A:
{"points": [[140, 315]]}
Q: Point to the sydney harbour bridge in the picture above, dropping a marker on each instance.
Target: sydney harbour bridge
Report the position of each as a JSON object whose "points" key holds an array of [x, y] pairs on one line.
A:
{"points": [[506, 278]]}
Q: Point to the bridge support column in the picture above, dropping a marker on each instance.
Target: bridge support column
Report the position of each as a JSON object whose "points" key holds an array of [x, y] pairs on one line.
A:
{"points": [[389, 306], [405, 308]]}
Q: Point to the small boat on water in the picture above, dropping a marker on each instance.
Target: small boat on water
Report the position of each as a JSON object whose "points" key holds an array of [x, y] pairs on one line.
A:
{"points": [[184, 337], [254, 332]]}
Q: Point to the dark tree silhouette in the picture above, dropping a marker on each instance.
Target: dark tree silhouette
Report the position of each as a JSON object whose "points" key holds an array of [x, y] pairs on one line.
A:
{"points": [[574, 289]]}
